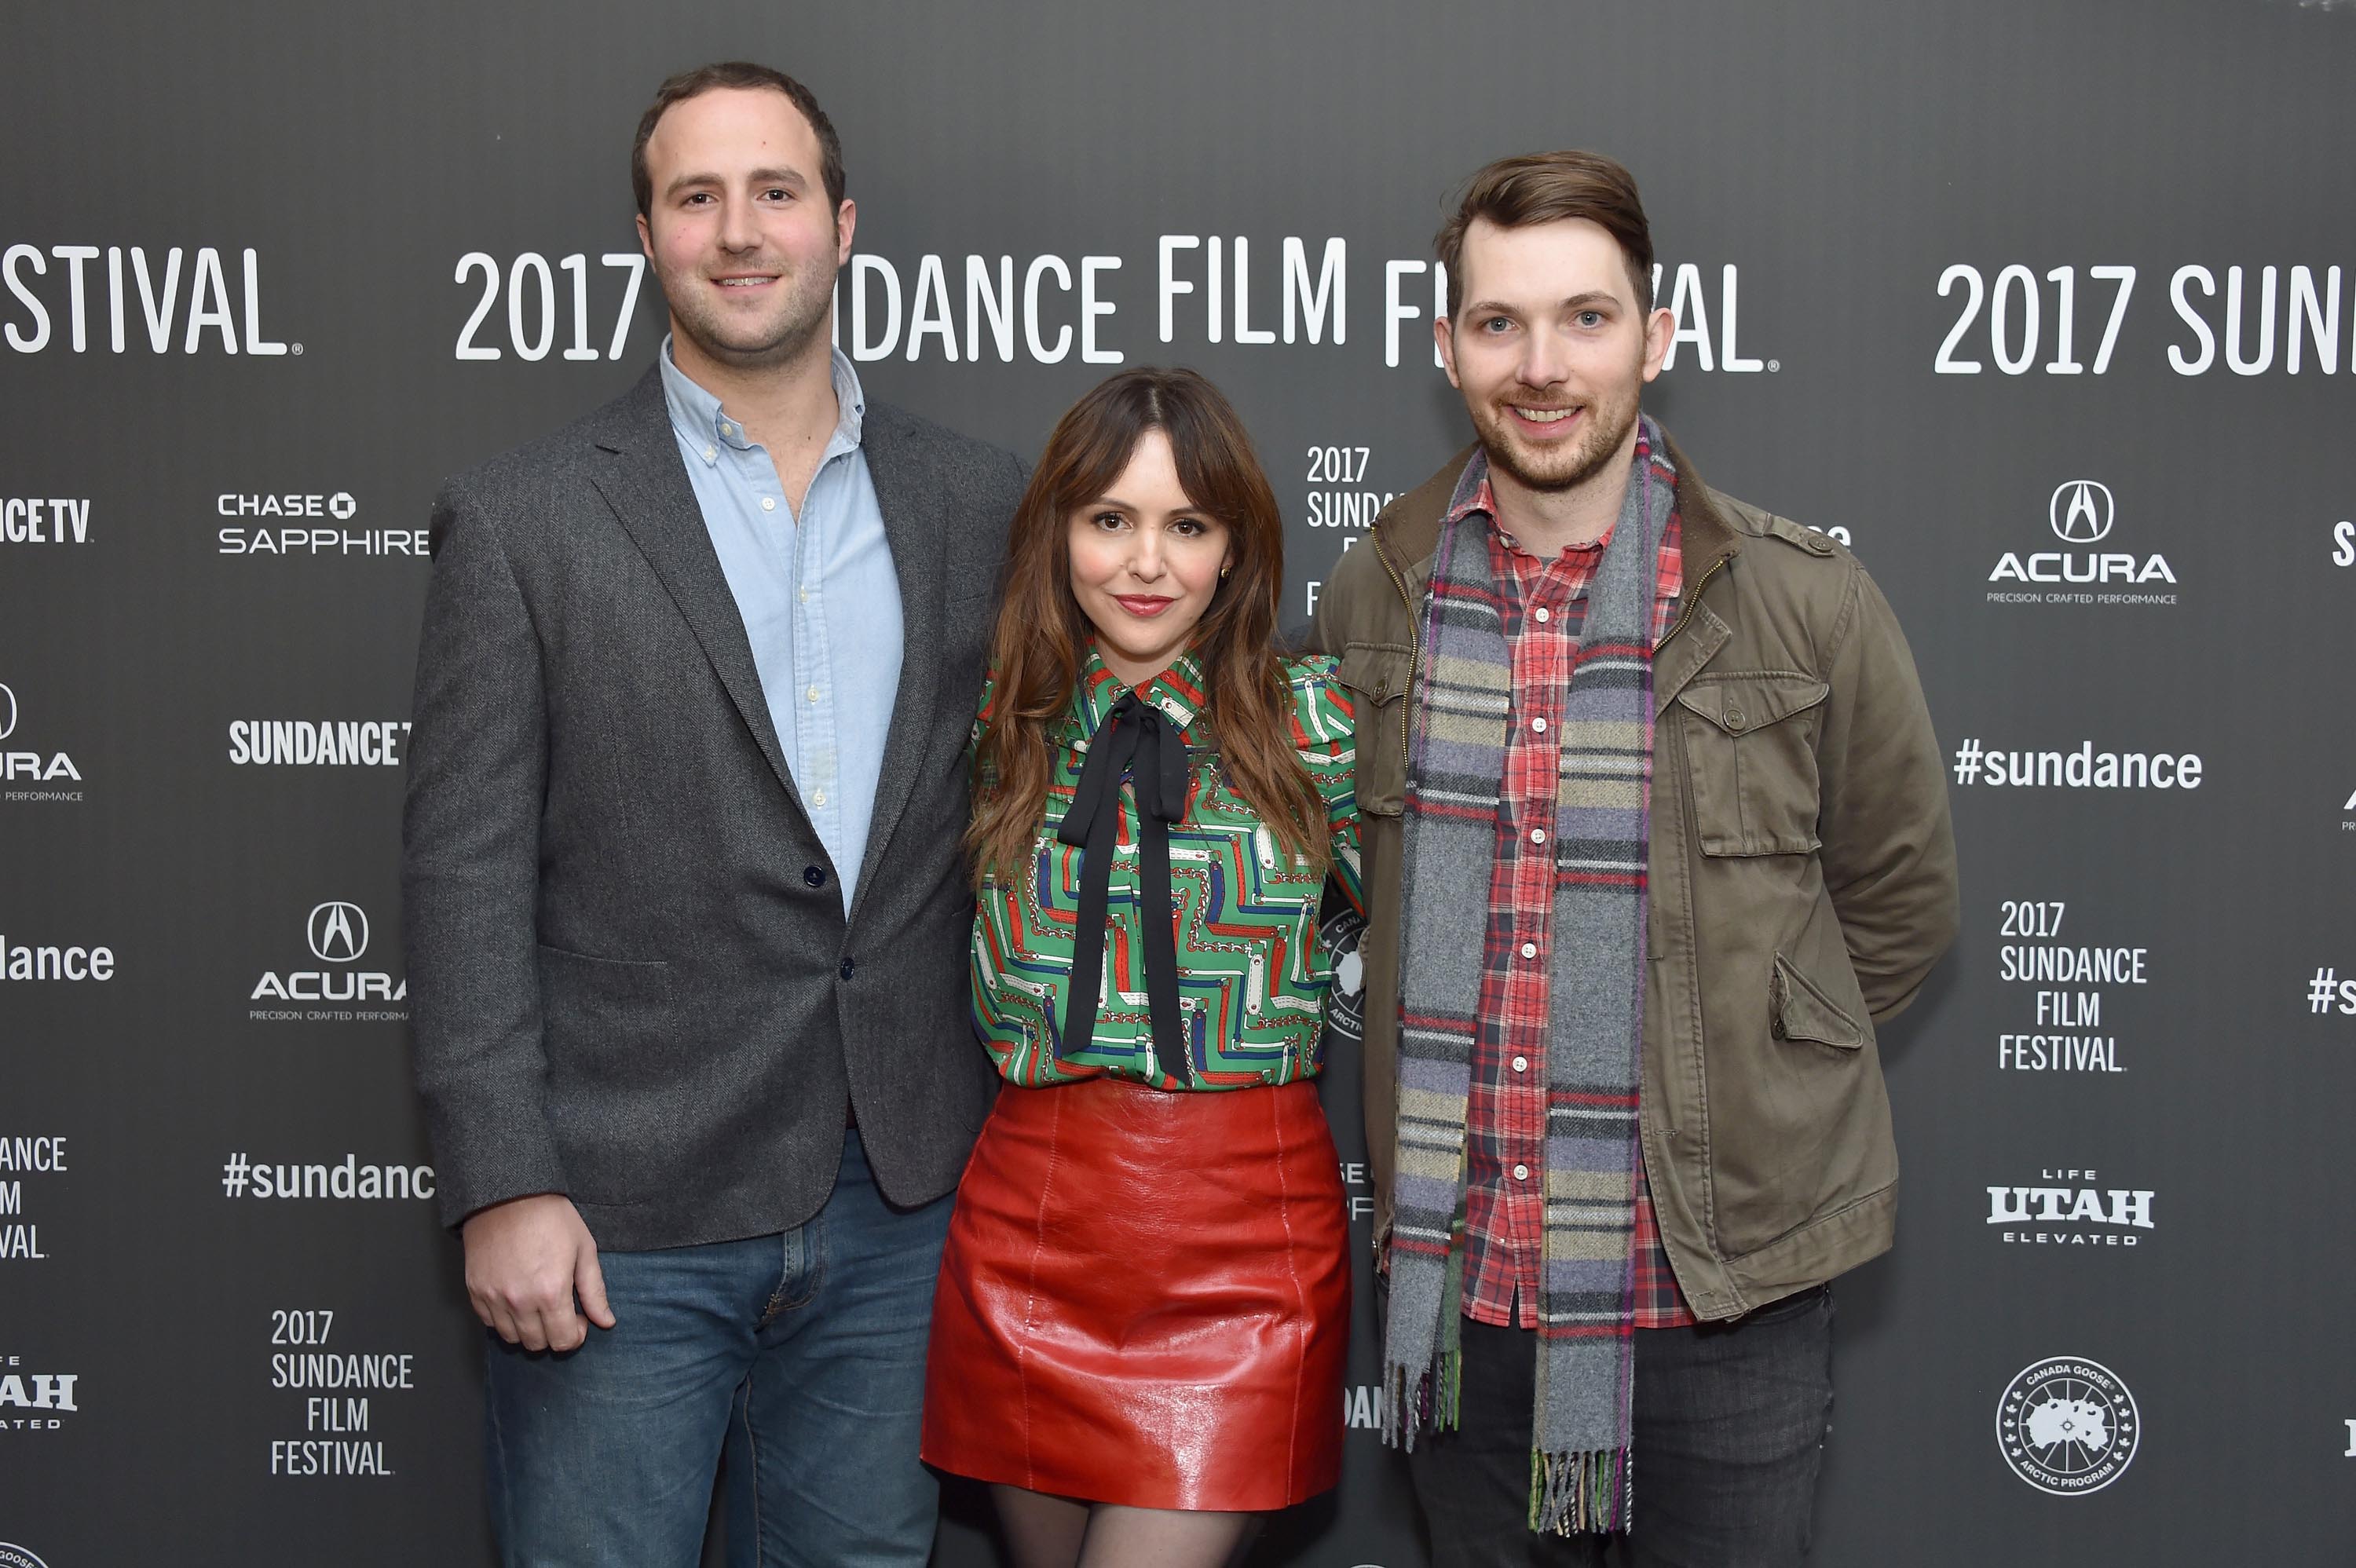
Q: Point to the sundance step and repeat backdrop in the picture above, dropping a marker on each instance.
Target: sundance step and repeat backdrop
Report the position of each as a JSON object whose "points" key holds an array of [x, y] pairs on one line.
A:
{"points": [[2047, 309]]}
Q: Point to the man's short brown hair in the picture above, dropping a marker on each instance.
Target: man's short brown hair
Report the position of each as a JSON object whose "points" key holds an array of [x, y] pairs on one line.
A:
{"points": [[1546, 187], [706, 78]]}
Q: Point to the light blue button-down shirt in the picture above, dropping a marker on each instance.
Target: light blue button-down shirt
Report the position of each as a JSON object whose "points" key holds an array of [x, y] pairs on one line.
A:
{"points": [[820, 599]]}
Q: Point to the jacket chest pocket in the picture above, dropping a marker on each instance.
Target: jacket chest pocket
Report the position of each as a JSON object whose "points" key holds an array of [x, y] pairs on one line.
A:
{"points": [[1376, 675], [1750, 762]]}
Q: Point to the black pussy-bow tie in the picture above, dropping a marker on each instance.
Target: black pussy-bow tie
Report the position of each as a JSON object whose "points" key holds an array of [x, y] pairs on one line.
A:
{"points": [[1136, 740]]}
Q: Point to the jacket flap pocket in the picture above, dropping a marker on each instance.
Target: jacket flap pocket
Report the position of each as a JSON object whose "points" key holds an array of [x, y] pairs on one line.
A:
{"points": [[1803, 1012], [1376, 675], [1379, 674], [1739, 704]]}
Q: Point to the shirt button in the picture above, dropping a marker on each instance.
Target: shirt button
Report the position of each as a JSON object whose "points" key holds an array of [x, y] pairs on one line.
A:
{"points": [[811, 694], [709, 452], [1521, 1172], [768, 503], [802, 594], [1538, 725], [815, 876], [1529, 949], [817, 797], [1521, 1065], [1537, 835], [1540, 616]]}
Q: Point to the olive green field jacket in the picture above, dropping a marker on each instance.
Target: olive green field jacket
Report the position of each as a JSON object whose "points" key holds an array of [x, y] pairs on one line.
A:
{"points": [[1801, 881]]}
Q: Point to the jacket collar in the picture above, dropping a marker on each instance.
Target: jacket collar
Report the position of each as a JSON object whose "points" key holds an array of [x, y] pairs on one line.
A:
{"points": [[1408, 528]]}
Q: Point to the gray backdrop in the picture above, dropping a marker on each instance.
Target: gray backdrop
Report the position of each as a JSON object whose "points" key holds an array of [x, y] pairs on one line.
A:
{"points": [[1938, 265]]}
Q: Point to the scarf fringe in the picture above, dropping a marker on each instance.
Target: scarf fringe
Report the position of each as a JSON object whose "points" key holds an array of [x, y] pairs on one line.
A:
{"points": [[1429, 1399], [1581, 1494]]}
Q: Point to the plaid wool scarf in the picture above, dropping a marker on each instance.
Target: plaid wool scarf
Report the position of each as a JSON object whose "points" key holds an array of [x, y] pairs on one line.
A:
{"points": [[1579, 1475]]}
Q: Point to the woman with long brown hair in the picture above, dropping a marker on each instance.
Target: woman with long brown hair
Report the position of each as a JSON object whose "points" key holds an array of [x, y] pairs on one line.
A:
{"points": [[1139, 1328]]}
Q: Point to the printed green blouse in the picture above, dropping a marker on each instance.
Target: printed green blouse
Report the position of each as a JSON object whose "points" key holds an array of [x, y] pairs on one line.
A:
{"points": [[1252, 975]]}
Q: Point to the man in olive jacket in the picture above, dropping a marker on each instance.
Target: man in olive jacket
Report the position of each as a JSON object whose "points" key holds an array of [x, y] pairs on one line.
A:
{"points": [[1790, 887]]}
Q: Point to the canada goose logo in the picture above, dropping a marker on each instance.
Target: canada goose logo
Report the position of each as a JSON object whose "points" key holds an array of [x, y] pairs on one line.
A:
{"points": [[2068, 1426]]}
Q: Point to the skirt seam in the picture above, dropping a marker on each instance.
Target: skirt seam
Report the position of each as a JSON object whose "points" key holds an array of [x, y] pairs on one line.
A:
{"points": [[1031, 1287], [1300, 1312]]}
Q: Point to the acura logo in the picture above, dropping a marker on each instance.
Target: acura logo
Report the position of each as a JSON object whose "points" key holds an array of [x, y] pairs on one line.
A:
{"points": [[339, 933], [7, 712], [2081, 509]]}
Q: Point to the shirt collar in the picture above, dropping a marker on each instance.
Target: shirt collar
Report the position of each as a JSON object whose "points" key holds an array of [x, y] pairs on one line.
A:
{"points": [[704, 426], [1177, 692], [1474, 494]]}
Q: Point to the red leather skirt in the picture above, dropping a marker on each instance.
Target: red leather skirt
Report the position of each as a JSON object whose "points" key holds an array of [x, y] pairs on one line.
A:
{"points": [[1145, 1299]]}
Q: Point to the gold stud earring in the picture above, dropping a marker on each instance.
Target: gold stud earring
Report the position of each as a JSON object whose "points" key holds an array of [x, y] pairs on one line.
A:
{"points": [[1225, 570]]}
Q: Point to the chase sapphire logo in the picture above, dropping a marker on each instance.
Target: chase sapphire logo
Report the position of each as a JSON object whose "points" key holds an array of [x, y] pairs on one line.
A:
{"points": [[339, 933], [2081, 511]]}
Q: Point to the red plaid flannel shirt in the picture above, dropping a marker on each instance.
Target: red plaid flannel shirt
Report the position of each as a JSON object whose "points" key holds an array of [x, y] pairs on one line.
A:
{"points": [[1504, 1218]]}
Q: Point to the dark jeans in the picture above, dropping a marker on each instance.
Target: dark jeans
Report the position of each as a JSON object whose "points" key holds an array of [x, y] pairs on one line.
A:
{"points": [[802, 1354], [1730, 1421]]}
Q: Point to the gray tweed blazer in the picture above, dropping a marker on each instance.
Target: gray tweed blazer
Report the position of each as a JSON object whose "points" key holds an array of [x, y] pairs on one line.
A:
{"points": [[631, 976]]}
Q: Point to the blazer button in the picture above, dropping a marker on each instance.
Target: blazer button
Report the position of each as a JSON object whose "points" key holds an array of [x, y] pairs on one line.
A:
{"points": [[848, 966], [815, 876]]}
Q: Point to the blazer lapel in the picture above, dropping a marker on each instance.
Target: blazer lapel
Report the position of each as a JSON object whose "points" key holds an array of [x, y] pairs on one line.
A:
{"points": [[645, 482], [917, 527]]}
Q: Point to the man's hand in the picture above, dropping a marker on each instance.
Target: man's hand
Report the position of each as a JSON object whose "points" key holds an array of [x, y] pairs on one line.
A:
{"points": [[526, 1261]]}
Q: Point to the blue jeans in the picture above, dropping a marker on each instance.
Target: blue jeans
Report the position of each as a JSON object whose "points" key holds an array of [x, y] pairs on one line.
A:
{"points": [[801, 1354]]}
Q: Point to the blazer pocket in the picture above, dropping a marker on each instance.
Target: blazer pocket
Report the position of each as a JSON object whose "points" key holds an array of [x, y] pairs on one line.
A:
{"points": [[971, 582], [1751, 762], [1376, 675], [606, 1020], [617, 1068]]}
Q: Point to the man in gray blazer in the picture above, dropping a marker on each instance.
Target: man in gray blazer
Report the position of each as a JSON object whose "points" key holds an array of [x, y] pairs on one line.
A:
{"points": [[686, 909]]}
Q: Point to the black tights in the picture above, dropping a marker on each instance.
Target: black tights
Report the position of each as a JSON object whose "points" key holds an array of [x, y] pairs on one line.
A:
{"points": [[1061, 1532]]}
